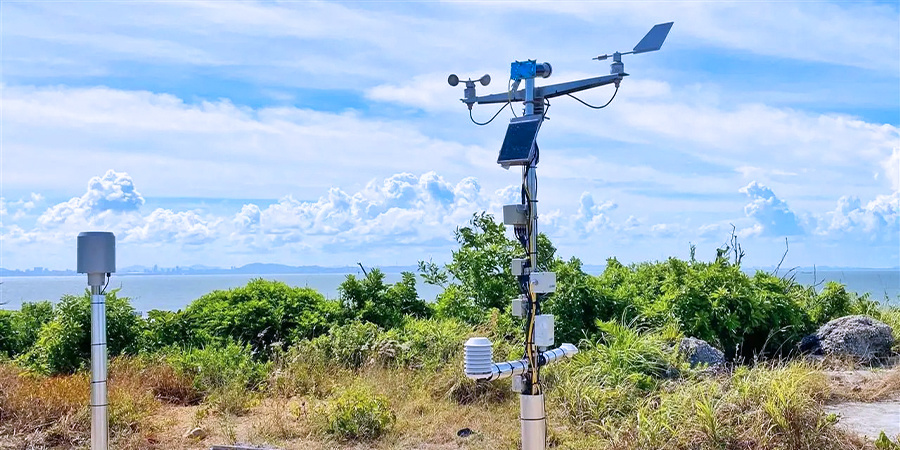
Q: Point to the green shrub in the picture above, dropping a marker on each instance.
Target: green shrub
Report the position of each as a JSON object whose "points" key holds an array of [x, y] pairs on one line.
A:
{"points": [[370, 299], [217, 366], [431, 343], [163, 329], [579, 301], [19, 329], [834, 301], [357, 414], [454, 303], [716, 301], [226, 375], [64, 343], [9, 342], [350, 346], [261, 314]]}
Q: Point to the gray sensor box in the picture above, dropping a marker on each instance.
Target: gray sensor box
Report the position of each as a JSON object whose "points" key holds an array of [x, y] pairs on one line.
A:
{"points": [[517, 267], [96, 252], [543, 330], [518, 306], [514, 215]]}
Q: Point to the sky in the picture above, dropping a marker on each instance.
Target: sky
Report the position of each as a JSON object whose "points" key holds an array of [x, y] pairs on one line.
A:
{"points": [[325, 133]]}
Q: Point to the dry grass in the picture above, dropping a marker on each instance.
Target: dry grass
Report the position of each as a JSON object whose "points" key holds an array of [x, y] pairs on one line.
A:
{"points": [[154, 375], [48, 412], [767, 407], [864, 385], [773, 407]]}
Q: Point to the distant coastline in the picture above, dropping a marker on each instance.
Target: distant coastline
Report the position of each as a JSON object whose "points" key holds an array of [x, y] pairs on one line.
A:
{"points": [[283, 269]]}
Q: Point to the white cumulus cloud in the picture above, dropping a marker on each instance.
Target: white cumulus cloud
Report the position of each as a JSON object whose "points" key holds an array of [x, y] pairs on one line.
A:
{"points": [[877, 220], [771, 213]]}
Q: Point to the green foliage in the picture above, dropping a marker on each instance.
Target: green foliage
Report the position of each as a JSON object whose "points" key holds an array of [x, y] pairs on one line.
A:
{"points": [[885, 443], [261, 314], [626, 355], [832, 302], [9, 342], [454, 303], [356, 414], [63, 344], [611, 375], [348, 345], [19, 329], [579, 301], [224, 374], [370, 299], [479, 278], [163, 329], [716, 302], [431, 343], [217, 366], [418, 343]]}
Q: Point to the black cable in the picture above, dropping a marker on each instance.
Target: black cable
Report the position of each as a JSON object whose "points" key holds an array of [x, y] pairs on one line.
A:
{"points": [[596, 107], [492, 118], [103, 291]]}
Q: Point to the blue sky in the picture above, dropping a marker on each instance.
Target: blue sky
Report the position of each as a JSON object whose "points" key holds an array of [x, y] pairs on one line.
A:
{"points": [[224, 133]]}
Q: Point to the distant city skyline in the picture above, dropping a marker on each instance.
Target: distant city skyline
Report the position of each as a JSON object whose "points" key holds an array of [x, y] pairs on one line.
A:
{"points": [[324, 133]]}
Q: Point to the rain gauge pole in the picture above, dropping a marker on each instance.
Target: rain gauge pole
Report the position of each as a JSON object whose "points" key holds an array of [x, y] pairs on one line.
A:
{"points": [[97, 258], [520, 149]]}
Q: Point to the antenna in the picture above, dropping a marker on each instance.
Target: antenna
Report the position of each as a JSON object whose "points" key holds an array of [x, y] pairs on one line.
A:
{"points": [[520, 149]]}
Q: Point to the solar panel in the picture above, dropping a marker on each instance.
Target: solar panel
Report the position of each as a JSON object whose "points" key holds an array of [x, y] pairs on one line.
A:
{"points": [[518, 145]]}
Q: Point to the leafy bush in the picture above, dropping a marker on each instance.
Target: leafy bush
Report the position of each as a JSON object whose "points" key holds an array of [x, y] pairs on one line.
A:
{"points": [[716, 301], [579, 301], [349, 345], [261, 314], [19, 329], [162, 329], [224, 374], [387, 306], [64, 343], [357, 414], [9, 342], [832, 302], [215, 367], [432, 343]]}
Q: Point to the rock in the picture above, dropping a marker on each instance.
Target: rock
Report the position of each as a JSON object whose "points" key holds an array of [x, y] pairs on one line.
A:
{"points": [[698, 351], [197, 433], [861, 337]]}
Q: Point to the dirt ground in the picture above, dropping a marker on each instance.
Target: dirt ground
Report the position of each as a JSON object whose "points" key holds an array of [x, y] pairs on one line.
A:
{"points": [[866, 401]]}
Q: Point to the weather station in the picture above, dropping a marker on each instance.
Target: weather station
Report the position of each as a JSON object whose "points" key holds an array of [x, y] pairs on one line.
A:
{"points": [[520, 148]]}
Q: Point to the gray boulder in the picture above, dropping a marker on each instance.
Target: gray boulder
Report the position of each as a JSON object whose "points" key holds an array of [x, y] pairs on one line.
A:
{"points": [[860, 337], [698, 351]]}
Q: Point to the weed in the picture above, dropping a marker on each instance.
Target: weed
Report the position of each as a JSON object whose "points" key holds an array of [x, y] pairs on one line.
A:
{"points": [[358, 415]]}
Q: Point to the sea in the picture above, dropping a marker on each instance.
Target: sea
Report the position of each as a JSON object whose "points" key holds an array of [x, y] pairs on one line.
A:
{"points": [[174, 292]]}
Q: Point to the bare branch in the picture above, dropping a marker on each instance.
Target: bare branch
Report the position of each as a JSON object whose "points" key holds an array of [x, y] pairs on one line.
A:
{"points": [[786, 248]]}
